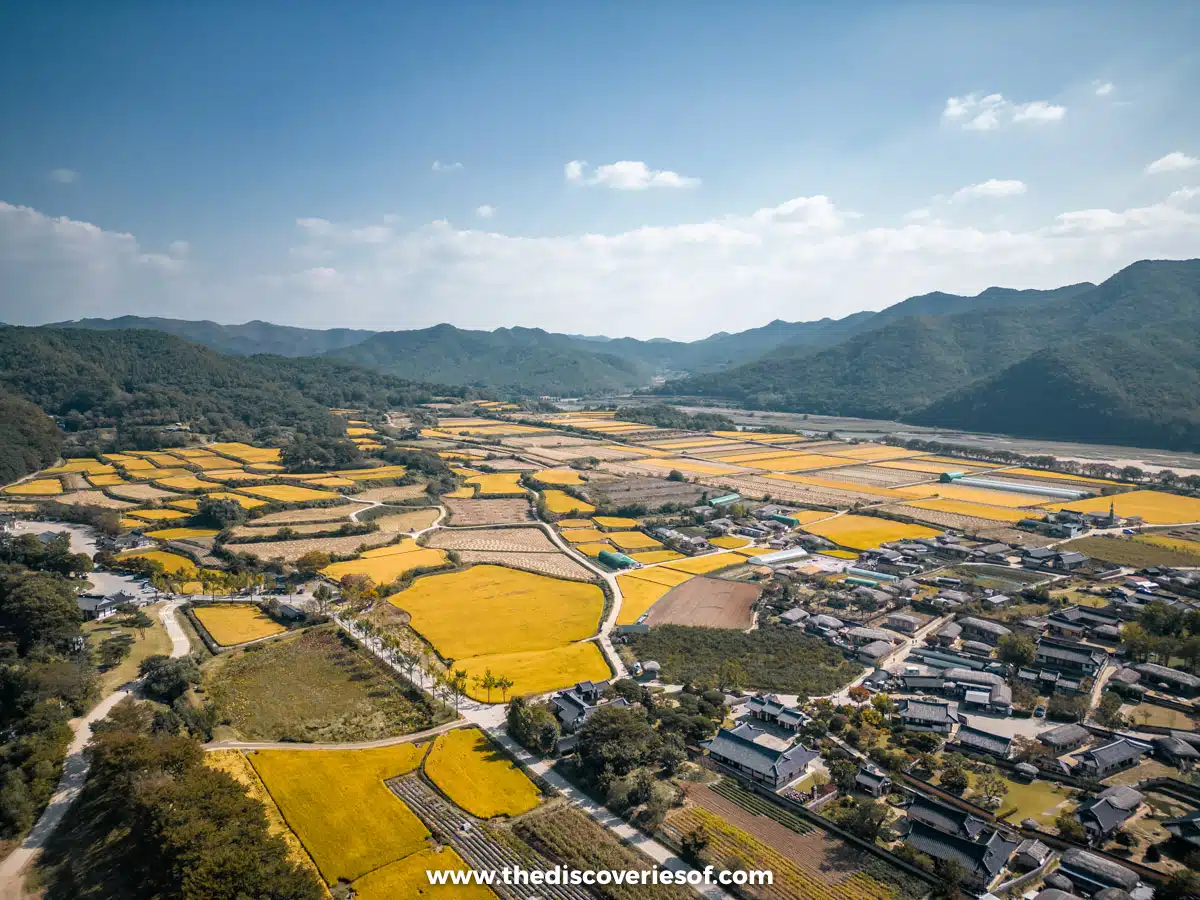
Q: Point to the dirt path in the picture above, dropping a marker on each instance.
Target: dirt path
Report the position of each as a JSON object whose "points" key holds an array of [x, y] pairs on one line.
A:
{"points": [[75, 769], [359, 745]]}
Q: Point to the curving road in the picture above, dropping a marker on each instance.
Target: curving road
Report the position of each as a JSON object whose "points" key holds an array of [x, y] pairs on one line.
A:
{"points": [[75, 769]]}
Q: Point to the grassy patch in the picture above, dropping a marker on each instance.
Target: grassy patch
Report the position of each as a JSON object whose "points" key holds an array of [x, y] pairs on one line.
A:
{"points": [[1130, 552], [1039, 800], [155, 640], [1150, 714], [314, 687]]}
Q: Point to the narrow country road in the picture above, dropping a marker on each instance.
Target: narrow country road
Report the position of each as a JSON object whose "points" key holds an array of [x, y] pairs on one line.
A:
{"points": [[75, 769], [361, 745]]}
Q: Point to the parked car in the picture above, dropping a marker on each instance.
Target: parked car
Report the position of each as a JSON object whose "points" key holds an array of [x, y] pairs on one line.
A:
{"points": [[1040, 712]]}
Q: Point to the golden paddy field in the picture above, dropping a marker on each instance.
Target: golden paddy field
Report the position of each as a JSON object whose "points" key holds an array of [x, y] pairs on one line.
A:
{"points": [[1155, 507], [499, 484], [582, 535], [172, 563], [186, 483], [490, 609], [478, 776], [867, 532], [638, 595], [633, 540], [560, 503], [406, 878], [558, 476], [649, 557], [799, 462], [181, 534], [660, 575], [383, 565], [337, 804], [290, 493], [729, 541], [967, 494], [684, 465], [157, 515], [613, 522], [539, 671], [593, 549], [574, 523], [699, 565], [105, 480], [236, 623]]}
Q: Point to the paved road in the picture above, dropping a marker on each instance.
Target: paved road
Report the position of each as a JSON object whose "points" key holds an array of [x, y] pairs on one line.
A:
{"points": [[75, 769]]}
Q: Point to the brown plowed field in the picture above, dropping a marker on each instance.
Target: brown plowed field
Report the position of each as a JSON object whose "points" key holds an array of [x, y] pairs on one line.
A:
{"points": [[488, 512], [392, 494], [298, 516], [706, 602], [557, 565], [504, 540], [293, 550]]}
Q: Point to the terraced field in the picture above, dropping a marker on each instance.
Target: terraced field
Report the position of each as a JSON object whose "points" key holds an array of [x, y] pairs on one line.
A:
{"points": [[488, 512], [555, 564], [528, 540]]}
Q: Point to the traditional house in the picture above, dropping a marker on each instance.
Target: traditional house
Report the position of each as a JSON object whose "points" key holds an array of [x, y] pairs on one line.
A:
{"points": [[1176, 752], [1185, 829], [1099, 762], [795, 616], [1031, 854], [1172, 680], [949, 634], [769, 708], [1068, 656], [872, 780], [1108, 811], [576, 705], [1065, 738], [96, 606], [861, 635], [944, 817], [981, 741], [1093, 873], [738, 749], [875, 652], [981, 860], [903, 623], [925, 715], [982, 630]]}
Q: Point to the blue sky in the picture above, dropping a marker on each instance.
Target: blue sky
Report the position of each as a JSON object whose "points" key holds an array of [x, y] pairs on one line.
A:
{"points": [[389, 166]]}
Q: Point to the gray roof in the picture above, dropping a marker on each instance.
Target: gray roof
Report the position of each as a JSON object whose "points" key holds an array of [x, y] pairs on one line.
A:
{"points": [[926, 711], [1173, 746], [952, 630], [993, 628], [871, 779], [1067, 651], [825, 621], [1079, 865], [979, 739], [1056, 894], [971, 676], [1162, 673], [1110, 808], [1034, 848], [944, 817], [870, 634], [876, 649], [983, 859], [737, 745], [1114, 752], [794, 615], [1064, 735], [1186, 828]]}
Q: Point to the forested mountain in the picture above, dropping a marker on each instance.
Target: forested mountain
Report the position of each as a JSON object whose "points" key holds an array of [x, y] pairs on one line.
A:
{"points": [[912, 368], [135, 380], [236, 340], [29, 439]]}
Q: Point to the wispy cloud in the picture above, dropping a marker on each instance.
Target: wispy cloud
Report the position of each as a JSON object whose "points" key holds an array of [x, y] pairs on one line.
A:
{"points": [[485, 211], [626, 175], [993, 187], [1103, 89], [1172, 162], [989, 112], [64, 176], [439, 166]]}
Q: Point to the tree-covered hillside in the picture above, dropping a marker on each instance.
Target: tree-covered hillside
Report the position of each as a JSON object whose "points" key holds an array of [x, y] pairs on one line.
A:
{"points": [[29, 439], [236, 340]]}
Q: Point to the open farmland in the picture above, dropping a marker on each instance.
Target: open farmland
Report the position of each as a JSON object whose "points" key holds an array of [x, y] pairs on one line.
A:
{"points": [[186, 483], [614, 523], [315, 685], [181, 534], [499, 484], [828, 481], [808, 863], [478, 776], [384, 565], [729, 542], [538, 671], [240, 499], [236, 623], [339, 807], [488, 512], [972, 525], [688, 466], [246, 453], [555, 564], [302, 516], [650, 557], [105, 480], [633, 540], [394, 494], [582, 535], [157, 515], [975, 510], [412, 520], [1124, 551], [878, 476], [867, 532], [406, 878], [1154, 507], [707, 602], [172, 563], [139, 492], [248, 531], [516, 611], [290, 493], [644, 491], [593, 549], [527, 540], [562, 503], [700, 565], [290, 551], [969, 494], [94, 498], [642, 589]]}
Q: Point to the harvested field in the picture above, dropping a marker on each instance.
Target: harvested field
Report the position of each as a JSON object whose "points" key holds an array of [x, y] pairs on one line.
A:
{"points": [[986, 496], [384, 565], [300, 516], [413, 520], [821, 483], [1043, 474], [538, 671], [488, 512], [478, 776], [74, 481], [406, 878], [649, 492], [339, 807], [509, 464], [975, 510], [867, 532], [314, 686], [290, 551], [924, 466], [562, 503], [158, 474], [633, 540], [139, 492], [707, 602], [958, 521], [392, 494], [875, 452], [711, 562], [235, 623], [808, 863], [289, 493], [667, 464], [171, 562], [877, 476], [512, 540], [654, 556], [94, 498], [785, 489], [556, 564], [511, 611], [558, 476], [244, 531], [1154, 507]]}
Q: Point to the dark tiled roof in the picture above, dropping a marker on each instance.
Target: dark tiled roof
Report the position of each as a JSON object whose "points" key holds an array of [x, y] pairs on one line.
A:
{"points": [[1108, 810], [983, 859], [944, 817], [1162, 673], [1064, 735], [984, 740], [737, 745], [870, 779], [1186, 828], [924, 711], [1070, 652], [1114, 753]]}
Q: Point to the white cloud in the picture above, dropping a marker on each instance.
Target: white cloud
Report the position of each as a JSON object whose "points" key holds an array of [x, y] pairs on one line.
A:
{"points": [[64, 176], [485, 211], [1172, 162], [993, 187], [178, 248], [1103, 89], [989, 112], [918, 215], [800, 259], [626, 175], [1183, 195], [439, 166]]}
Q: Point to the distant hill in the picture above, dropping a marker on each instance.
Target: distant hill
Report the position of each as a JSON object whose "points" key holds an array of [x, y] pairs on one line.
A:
{"points": [[911, 367], [236, 340]]}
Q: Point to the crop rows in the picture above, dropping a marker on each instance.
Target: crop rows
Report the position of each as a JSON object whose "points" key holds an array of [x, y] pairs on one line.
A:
{"points": [[735, 793]]}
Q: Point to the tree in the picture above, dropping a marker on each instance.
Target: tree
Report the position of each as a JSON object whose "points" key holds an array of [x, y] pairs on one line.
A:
{"points": [[504, 684], [991, 786], [322, 598], [1017, 650], [220, 514], [1182, 885], [955, 780], [675, 475], [616, 740], [533, 726], [951, 875], [859, 694], [37, 608], [114, 649], [1108, 713], [693, 845], [842, 772], [166, 679], [1071, 828], [312, 562], [866, 819], [358, 591]]}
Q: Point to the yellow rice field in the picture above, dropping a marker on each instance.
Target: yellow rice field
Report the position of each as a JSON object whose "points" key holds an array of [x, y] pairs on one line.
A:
{"points": [[246, 453], [130, 523], [359, 431], [560, 502], [385, 567], [181, 534], [336, 802], [186, 483], [953, 463], [867, 532], [290, 493], [38, 487], [1058, 476], [874, 452], [656, 556], [1155, 507], [633, 540], [477, 776], [617, 523], [840, 554], [729, 541], [89, 466], [172, 563], [684, 465], [638, 596], [574, 523], [490, 609], [105, 480], [462, 493], [699, 565], [593, 549], [157, 515], [922, 466], [406, 878], [331, 482], [746, 457], [241, 499], [499, 484], [986, 496], [582, 535], [538, 671], [236, 623], [799, 462], [558, 476], [1180, 545], [979, 510], [133, 464], [239, 475], [660, 575]]}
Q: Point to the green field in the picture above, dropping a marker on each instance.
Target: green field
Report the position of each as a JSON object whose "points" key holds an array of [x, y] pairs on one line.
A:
{"points": [[151, 641], [314, 687], [1129, 552]]}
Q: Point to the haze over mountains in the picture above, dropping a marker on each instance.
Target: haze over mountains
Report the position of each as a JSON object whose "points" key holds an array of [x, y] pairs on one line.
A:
{"points": [[1114, 362]]}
